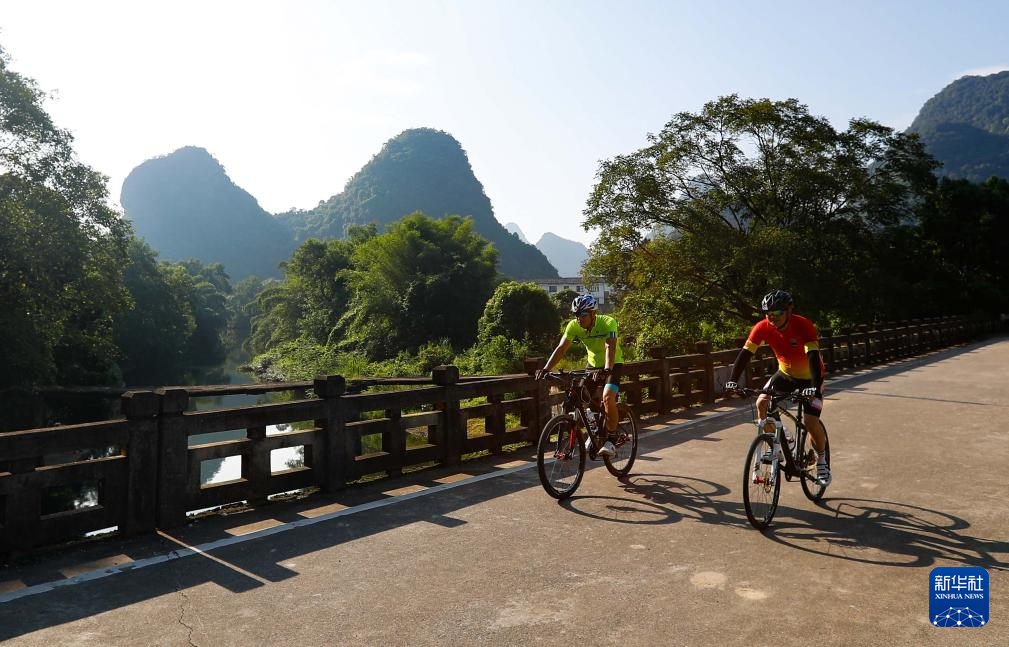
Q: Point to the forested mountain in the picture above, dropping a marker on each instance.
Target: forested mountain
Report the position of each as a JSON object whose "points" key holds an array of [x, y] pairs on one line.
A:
{"points": [[419, 170], [566, 255], [185, 206], [966, 127]]}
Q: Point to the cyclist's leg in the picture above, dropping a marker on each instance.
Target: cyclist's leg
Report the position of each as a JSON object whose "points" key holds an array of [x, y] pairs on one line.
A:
{"points": [[610, 391], [778, 382], [811, 418]]}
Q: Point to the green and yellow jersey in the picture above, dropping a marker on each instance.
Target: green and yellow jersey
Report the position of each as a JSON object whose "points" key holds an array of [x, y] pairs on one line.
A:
{"points": [[604, 327]]}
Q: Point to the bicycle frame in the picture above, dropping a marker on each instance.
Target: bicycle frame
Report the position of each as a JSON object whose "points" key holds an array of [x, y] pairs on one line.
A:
{"points": [[776, 410], [576, 400]]}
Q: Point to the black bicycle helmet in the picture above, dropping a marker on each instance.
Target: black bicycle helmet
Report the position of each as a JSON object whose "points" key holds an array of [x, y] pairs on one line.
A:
{"points": [[583, 304], [779, 299]]}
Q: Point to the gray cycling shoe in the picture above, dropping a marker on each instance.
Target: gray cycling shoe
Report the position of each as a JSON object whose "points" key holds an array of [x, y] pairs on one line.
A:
{"points": [[823, 474]]}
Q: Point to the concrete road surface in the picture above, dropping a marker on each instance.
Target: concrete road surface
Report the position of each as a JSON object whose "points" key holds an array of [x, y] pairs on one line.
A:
{"points": [[666, 557]]}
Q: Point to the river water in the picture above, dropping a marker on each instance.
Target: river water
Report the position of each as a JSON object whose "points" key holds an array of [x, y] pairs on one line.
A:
{"points": [[230, 468]]}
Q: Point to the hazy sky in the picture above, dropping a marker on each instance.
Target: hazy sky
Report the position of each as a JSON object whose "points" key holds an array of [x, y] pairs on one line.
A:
{"points": [[293, 98]]}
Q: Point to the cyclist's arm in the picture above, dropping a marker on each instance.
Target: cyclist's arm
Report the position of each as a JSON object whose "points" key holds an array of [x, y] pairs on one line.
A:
{"points": [[749, 349], [813, 355], [562, 347], [742, 359], [812, 347], [611, 353]]}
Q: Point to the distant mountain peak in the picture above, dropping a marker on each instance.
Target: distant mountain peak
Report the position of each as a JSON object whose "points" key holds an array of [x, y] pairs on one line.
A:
{"points": [[966, 127], [566, 255], [515, 229], [421, 169], [185, 206]]}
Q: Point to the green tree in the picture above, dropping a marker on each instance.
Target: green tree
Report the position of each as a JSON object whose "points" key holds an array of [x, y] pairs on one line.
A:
{"points": [[177, 320], [206, 288], [62, 250], [746, 196], [153, 335], [422, 280], [311, 299], [241, 309], [520, 311], [562, 301], [958, 256]]}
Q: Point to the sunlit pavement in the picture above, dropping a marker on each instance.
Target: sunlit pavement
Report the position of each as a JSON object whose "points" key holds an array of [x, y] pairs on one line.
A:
{"points": [[919, 450]]}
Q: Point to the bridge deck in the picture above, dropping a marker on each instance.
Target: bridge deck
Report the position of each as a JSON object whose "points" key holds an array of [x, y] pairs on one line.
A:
{"points": [[920, 452]]}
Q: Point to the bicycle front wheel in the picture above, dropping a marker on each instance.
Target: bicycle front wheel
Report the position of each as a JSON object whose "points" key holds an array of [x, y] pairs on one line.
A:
{"points": [[560, 457], [810, 486], [626, 443], [761, 482]]}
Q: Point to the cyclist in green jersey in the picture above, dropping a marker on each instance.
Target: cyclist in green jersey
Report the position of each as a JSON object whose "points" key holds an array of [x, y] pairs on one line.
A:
{"points": [[598, 333]]}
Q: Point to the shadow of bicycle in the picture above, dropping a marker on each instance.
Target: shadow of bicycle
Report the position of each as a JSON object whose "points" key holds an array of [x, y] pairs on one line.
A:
{"points": [[885, 533], [882, 533], [660, 499]]}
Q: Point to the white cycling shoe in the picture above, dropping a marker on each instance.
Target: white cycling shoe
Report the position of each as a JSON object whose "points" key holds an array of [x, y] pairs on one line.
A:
{"points": [[607, 450]]}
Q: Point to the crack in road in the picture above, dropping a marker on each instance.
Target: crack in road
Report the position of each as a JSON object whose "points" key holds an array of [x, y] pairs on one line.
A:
{"points": [[182, 616]]}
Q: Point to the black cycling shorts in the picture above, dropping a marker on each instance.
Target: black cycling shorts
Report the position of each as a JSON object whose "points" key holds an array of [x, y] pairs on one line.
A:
{"points": [[786, 384]]}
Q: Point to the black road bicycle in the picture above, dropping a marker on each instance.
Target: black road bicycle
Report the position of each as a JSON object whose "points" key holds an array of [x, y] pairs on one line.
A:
{"points": [[773, 454], [561, 451]]}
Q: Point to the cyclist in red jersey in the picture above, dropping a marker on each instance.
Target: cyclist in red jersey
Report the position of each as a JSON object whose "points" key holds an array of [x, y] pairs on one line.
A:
{"points": [[795, 343]]}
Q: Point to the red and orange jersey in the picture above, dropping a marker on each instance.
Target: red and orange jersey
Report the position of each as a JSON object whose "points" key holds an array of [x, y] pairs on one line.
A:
{"points": [[789, 344]]}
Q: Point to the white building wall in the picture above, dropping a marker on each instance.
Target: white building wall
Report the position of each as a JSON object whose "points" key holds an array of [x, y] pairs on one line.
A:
{"points": [[597, 289]]}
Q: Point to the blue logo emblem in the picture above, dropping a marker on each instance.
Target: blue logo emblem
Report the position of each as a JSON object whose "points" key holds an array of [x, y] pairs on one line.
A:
{"points": [[958, 596]]}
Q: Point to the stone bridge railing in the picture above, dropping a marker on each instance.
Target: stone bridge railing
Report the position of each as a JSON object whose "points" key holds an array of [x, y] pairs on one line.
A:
{"points": [[146, 471]]}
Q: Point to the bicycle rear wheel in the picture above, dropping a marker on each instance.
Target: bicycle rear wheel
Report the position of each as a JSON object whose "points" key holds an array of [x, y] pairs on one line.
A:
{"points": [[810, 486], [626, 443], [560, 457], [761, 485]]}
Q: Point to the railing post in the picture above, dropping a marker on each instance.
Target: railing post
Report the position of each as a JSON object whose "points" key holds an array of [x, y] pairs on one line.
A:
{"points": [[495, 424], [23, 510], [173, 458], [914, 336], [141, 410], [455, 432], [335, 461], [665, 394], [708, 365], [256, 465], [827, 348], [542, 402], [864, 332]]}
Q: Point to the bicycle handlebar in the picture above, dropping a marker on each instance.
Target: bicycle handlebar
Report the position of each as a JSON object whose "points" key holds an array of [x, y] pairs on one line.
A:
{"points": [[564, 375], [794, 396]]}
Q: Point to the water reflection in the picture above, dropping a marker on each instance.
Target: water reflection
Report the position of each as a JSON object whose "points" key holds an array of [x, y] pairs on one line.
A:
{"points": [[219, 470]]}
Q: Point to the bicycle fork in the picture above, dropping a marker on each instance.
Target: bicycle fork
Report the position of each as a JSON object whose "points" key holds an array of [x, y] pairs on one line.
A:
{"points": [[566, 446], [769, 480]]}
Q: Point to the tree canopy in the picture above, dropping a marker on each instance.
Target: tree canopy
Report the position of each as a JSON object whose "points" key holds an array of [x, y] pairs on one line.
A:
{"points": [[177, 319], [62, 249], [521, 311], [311, 299], [750, 195], [423, 279]]}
